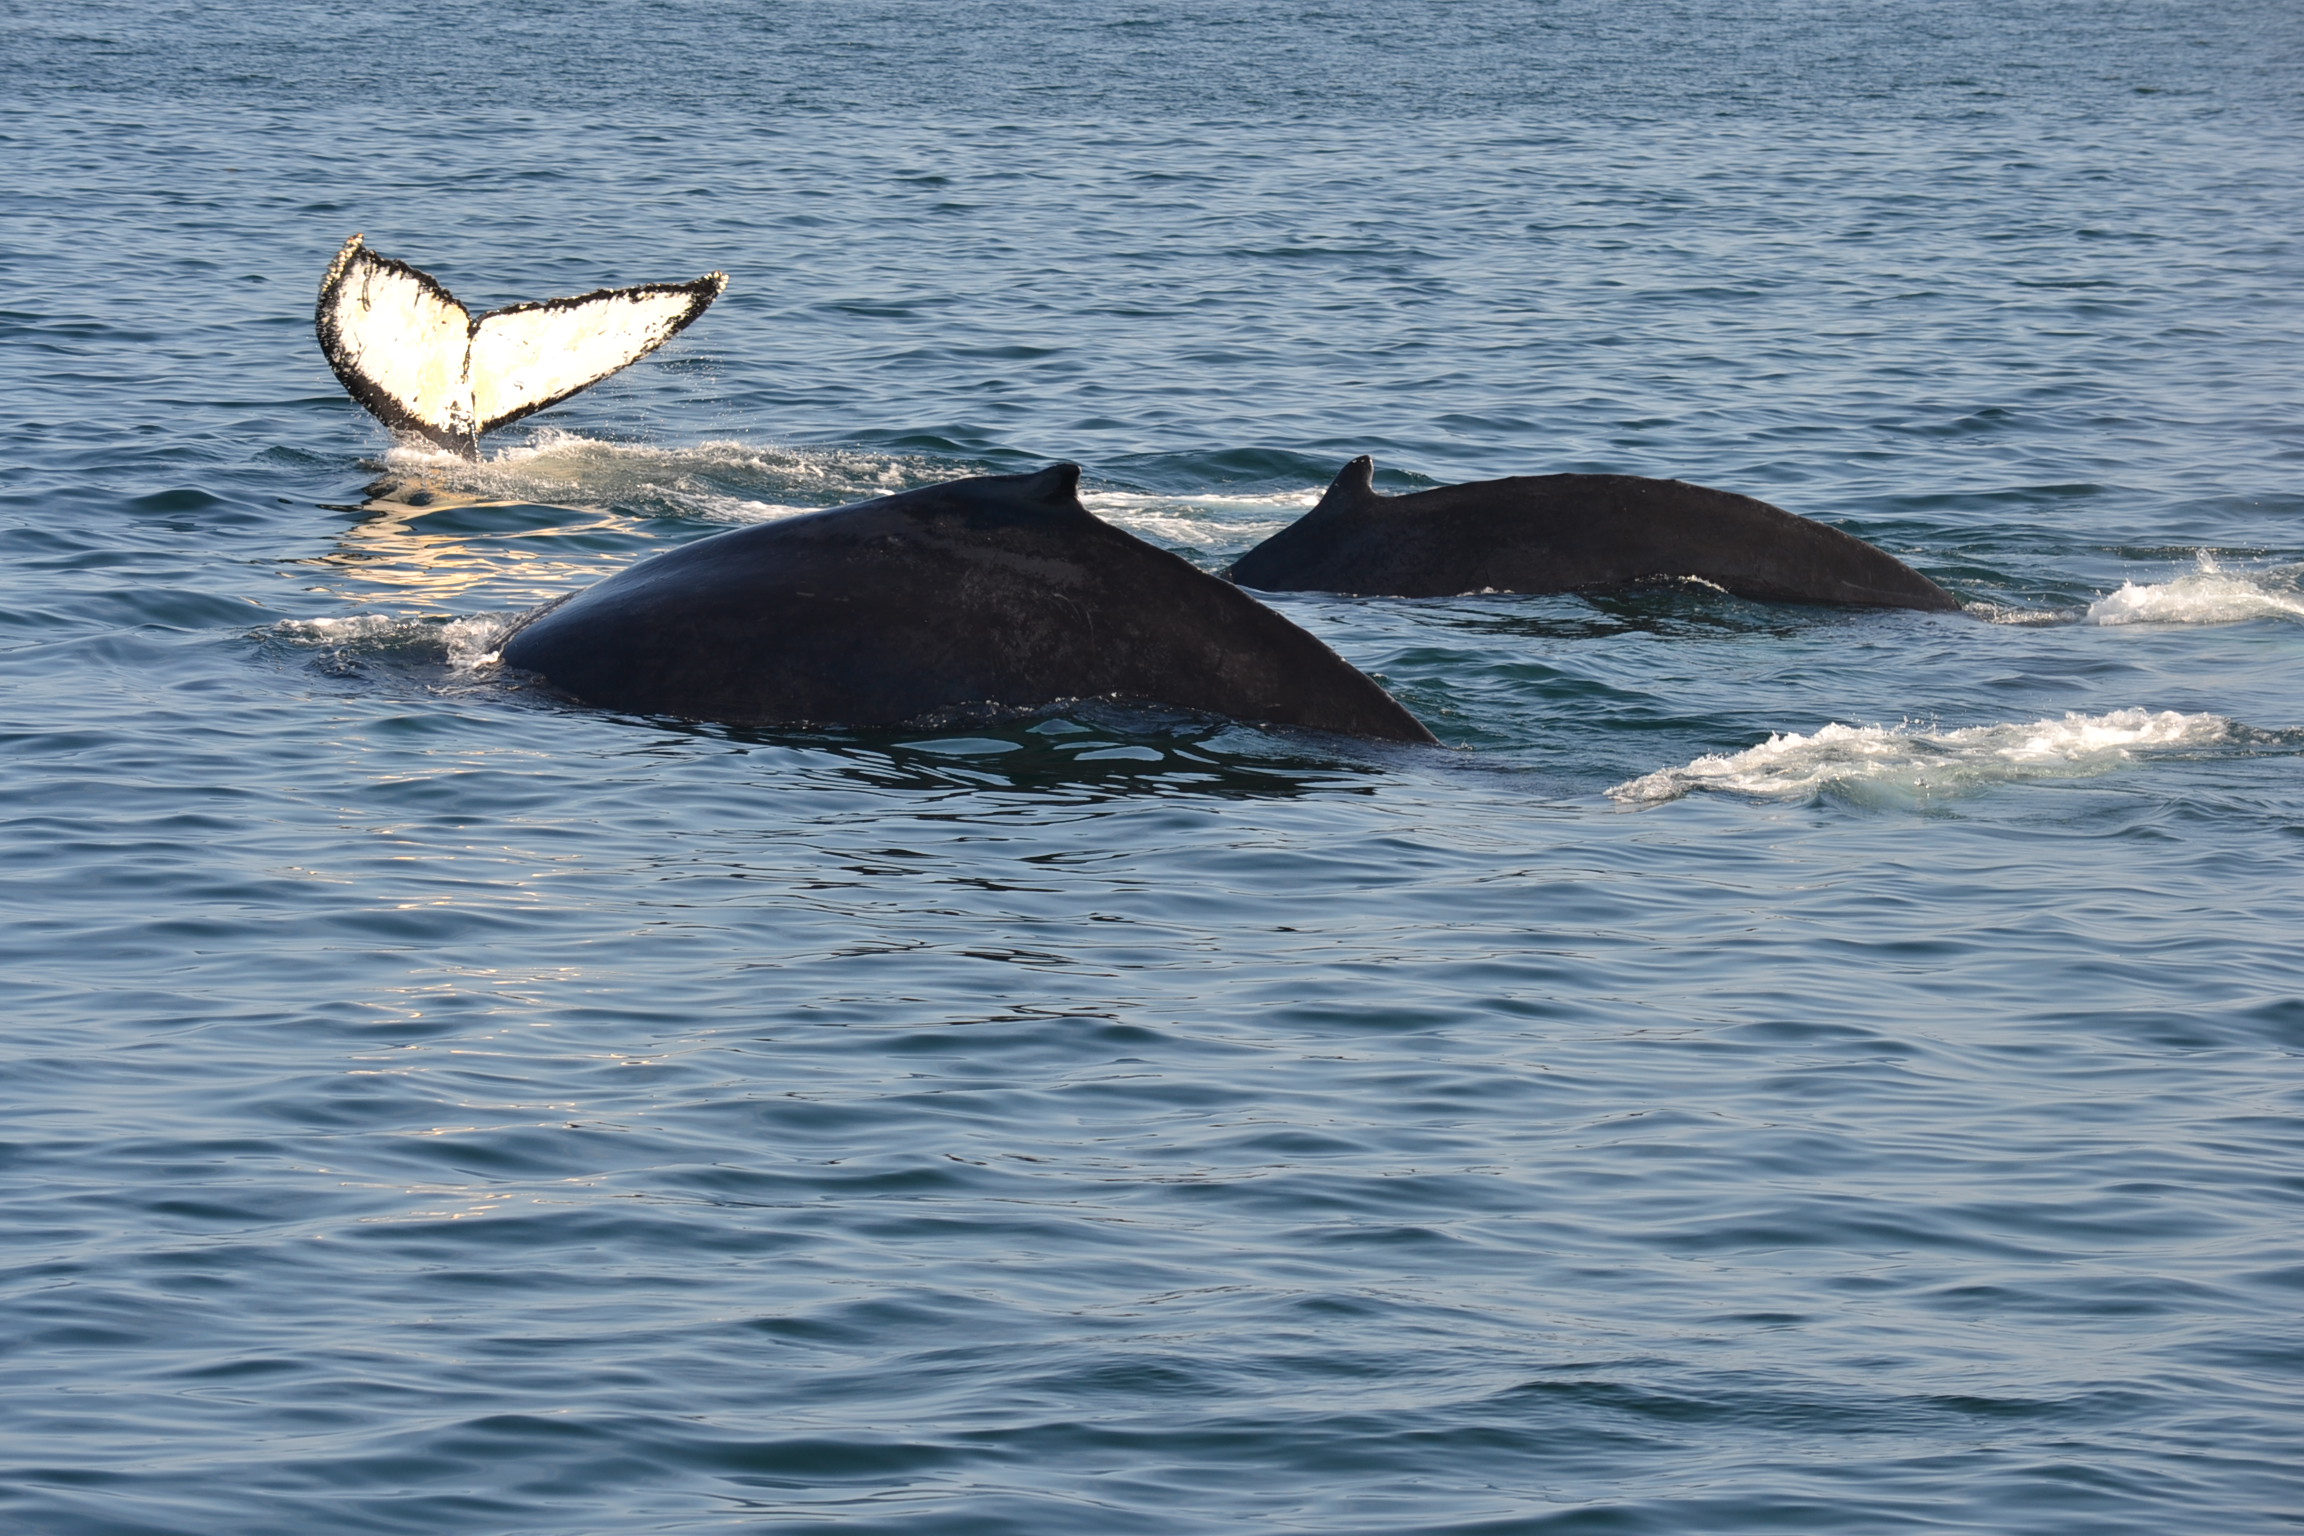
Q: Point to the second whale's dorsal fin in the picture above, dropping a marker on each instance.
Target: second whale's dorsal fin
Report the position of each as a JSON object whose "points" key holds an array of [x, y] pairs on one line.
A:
{"points": [[420, 362], [1057, 486]]}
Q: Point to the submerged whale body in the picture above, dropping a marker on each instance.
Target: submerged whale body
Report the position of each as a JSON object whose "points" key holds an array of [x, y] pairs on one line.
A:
{"points": [[987, 595], [422, 363], [1571, 533]]}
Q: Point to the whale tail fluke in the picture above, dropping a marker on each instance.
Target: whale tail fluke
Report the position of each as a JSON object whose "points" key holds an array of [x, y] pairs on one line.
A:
{"points": [[422, 363]]}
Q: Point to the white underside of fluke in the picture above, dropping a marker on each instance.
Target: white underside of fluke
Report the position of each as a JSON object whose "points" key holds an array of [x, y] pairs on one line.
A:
{"points": [[421, 363]]}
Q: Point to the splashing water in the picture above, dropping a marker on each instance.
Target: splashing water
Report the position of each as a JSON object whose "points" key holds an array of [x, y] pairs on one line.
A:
{"points": [[720, 481], [1908, 766], [733, 482], [464, 645], [1230, 523], [2208, 595]]}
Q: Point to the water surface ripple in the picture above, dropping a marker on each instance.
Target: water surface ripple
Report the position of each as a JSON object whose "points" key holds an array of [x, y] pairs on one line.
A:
{"points": [[1771, 1070]]}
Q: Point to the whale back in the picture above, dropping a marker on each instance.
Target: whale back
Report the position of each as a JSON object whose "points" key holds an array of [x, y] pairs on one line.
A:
{"points": [[1568, 533], [992, 594]]}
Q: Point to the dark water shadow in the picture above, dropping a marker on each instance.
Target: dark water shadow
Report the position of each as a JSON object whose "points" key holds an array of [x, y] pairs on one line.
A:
{"points": [[1104, 747], [1668, 607], [1107, 747]]}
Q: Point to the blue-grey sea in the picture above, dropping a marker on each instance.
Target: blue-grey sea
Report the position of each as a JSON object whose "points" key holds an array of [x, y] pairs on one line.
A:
{"points": [[1773, 1069]]}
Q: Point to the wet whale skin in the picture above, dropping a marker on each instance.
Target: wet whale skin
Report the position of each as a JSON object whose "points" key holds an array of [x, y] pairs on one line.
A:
{"points": [[1571, 533], [994, 593]]}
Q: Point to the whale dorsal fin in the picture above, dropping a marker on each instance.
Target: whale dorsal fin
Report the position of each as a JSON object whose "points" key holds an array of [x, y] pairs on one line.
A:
{"points": [[1058, 485], [1354, 484], [417, 359]]}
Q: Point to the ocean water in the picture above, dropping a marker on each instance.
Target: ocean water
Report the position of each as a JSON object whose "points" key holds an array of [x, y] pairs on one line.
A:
{"points": [[1772, 1069]]}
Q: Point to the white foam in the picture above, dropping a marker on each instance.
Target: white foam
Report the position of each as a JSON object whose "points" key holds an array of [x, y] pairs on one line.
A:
{"points": [[2208, 595], [351, 629], [1909, 765], [1292, 503], [2029, 618], [1201, 522], [702, 480], [712, 480], [466, 644], [473, 643]]}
